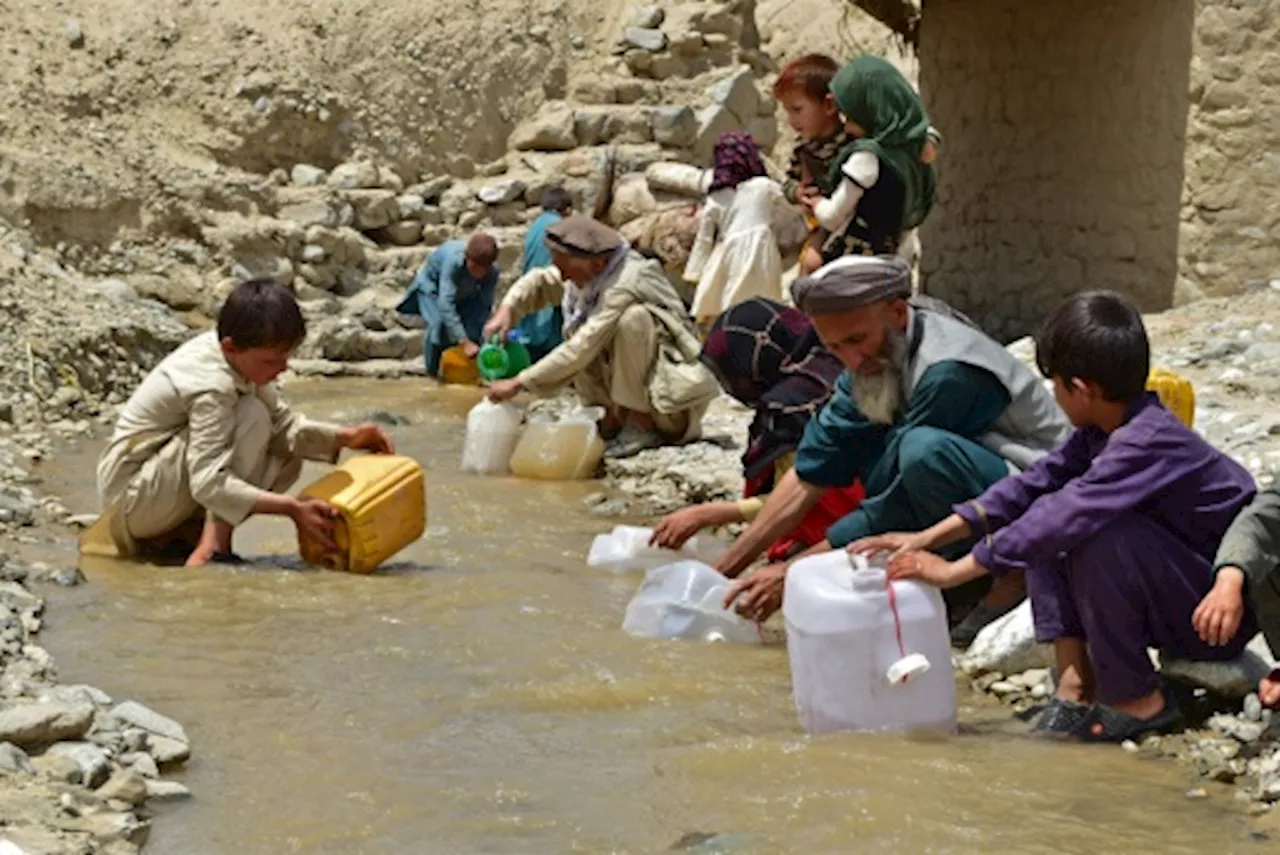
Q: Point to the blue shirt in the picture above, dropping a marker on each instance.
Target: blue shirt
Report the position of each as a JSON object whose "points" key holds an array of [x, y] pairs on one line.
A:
{"points": [[451, 301]]}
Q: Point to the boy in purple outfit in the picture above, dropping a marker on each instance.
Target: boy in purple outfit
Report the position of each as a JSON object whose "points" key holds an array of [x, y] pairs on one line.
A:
{"points": [[1116, 529]]}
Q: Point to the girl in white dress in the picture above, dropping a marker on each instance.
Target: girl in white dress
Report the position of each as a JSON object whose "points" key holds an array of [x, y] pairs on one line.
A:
{"points": [[735, 256]]}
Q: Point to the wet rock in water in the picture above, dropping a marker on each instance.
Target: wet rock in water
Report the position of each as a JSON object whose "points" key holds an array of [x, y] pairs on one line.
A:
{"points": [[384, 417], [166, 791], [90, 760], [166, 751], [31, 725], [14, 759], [139, 716], [1007, 645]]}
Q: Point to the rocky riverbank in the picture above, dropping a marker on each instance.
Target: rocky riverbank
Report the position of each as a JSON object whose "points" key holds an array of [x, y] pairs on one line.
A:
{"points": [[78, 768]]}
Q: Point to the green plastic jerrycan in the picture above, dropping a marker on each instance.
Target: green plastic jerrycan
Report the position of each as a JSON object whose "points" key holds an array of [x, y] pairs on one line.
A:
{"points": [[499, 360]]}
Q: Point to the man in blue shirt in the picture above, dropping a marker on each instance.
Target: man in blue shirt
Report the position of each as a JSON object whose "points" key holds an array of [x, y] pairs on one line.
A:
{"points": [[453, 293], [543, 330]]}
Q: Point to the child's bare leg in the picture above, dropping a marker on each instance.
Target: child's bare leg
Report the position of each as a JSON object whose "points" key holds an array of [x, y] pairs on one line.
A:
{"points": [[810, 260], [1269, 689], [1008, 589], [1075, 674], [215, 537]]}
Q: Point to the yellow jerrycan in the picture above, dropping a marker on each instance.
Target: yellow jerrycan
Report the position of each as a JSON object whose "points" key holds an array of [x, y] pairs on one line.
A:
{"points": [[458, 369], [382, 502], [1176, 393]]}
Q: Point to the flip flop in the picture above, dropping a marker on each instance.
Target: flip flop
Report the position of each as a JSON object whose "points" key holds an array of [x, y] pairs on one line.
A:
{"points": [[1060, 718], [1105, 724]]}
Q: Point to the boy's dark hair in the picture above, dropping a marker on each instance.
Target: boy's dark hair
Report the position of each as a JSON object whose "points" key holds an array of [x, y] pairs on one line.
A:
{"points": [[811, 74], [261, 313], [1097, 337], [482, 249], [556, 199]]}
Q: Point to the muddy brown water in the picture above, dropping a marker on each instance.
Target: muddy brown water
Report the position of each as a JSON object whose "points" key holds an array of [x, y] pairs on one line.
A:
{"points": [[480, 697]]}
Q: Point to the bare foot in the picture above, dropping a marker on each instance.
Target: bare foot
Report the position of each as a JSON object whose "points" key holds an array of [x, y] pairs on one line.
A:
{"points": [[1269, 689], [215, 537]]}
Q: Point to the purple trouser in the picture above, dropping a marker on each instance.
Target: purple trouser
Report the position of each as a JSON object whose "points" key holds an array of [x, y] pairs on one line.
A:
{"points": [[1131, 586]]}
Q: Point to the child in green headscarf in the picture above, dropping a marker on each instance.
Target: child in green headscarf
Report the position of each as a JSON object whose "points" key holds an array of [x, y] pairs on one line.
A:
{"points": [[884, 178]]}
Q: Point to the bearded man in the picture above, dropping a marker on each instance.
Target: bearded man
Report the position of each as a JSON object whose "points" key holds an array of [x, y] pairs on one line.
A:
{"points": [[929, 413]]}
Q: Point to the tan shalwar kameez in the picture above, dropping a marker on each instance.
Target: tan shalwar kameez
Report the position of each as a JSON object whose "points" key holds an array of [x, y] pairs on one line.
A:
{"points": [[637, 350], [197, 438]]}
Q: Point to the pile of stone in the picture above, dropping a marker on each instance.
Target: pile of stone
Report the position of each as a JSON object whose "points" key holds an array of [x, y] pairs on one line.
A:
{"points": [[76, 767]]}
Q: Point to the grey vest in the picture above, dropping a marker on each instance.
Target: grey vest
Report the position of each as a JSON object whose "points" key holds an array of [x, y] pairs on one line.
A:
{"points": [[1032, 425]]}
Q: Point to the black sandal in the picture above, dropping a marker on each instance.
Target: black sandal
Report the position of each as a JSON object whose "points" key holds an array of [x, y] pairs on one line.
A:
{"points": [[1060, 718], [1105, 724], [227, 558]]}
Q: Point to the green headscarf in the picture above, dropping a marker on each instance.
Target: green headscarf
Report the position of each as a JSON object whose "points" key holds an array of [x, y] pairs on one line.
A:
{"points": [[875, 95]]}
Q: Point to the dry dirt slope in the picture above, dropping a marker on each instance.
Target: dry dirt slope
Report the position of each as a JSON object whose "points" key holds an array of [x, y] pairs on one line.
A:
{"points": [[111, 109]]}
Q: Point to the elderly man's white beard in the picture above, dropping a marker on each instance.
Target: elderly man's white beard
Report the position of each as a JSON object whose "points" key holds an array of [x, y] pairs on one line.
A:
{"points": [[879, 396]]}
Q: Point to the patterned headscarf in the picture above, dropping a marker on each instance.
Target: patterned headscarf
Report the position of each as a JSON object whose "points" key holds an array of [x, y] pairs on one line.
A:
{"points": [[736, 158], [768, 356]]}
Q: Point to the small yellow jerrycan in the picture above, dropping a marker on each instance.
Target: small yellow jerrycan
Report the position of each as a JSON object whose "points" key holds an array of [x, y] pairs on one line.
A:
{"points": [[382, 502], [458, 369], [1176, 393]]}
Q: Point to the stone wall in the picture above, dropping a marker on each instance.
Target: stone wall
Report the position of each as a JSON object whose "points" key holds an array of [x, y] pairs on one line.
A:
{"points": [[1231, 201], [1065, 124]]}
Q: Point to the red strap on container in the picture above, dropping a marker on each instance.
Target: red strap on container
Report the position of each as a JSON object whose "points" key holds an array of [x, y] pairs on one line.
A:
{"points": [[897, 622]]}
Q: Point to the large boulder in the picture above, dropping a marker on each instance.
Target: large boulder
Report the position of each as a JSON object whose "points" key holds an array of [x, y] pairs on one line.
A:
{"points": [[737, 94], [552, 129], [1007, 645]]}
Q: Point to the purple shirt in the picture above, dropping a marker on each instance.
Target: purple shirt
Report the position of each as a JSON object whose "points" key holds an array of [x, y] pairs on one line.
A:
{"points": [[1152, 465]]}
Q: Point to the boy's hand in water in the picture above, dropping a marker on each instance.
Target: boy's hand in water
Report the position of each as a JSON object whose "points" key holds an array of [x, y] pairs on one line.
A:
{"points": [[759, 595], [673, 530], [504, 390], [314, 519], [366, 437], [500, 324], [1219, 614]]}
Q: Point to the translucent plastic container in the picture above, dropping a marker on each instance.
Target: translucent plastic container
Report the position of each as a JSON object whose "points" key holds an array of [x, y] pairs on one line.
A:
{"points": [[848, 671], [565, 450], [627, 548], [685, 600], [382, 502], [492, 432]]}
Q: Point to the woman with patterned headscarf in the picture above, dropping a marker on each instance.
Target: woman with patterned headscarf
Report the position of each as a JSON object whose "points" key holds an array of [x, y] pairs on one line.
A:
{"points": [[768, 356], [735, 256]]}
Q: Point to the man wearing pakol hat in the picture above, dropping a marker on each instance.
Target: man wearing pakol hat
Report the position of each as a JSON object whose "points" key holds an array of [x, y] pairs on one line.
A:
{"points": [[629, 344], [929, 412]]}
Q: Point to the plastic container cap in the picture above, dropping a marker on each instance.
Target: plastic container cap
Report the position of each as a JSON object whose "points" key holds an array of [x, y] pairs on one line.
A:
{"points": [[908, 668]]}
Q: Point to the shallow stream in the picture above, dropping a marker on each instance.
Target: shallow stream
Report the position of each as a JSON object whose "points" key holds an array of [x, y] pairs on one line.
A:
{"points": [[479, 697]]}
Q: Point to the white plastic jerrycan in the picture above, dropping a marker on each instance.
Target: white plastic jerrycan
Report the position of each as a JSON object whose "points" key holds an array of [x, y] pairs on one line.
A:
{"points": [[686, 600], [492, 432], [865, 656], [627, 548], [566, 450]]}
